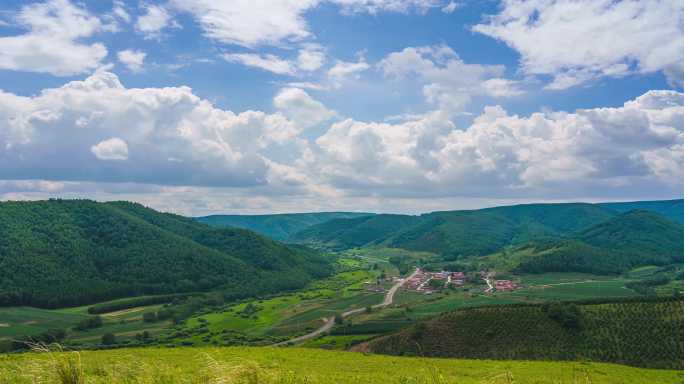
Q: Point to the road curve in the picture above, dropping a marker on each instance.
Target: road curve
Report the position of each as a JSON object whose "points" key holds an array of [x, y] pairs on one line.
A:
{"points": [[330, 322]]}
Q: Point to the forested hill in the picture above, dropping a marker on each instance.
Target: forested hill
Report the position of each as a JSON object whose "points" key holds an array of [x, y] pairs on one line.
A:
{"points": [[279, 226], [616, 245], [458, 233], [672, 209], [73, 252], [356, 232], [480, 232], [647, 333]]}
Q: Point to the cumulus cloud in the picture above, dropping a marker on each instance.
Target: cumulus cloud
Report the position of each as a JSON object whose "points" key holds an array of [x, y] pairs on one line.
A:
{"points": [[169, 136], [133, 59], [449, 82], [98, 131], [301, 108], [111, 149], [52, 43], [576, 41], [634, 149], [311, 57], [153, 21]]}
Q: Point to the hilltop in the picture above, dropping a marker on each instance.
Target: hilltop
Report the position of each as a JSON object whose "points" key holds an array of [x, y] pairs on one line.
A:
{"points": [[73, 252]]}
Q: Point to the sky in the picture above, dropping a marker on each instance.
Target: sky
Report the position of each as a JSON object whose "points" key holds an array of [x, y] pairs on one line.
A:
{"points": [[407, 106]]}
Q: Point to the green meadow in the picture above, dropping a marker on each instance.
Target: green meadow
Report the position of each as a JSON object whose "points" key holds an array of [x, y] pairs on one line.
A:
{"points": [[239, 365]]}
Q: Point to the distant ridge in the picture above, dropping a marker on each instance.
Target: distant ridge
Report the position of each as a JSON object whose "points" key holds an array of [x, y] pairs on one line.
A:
{"points": [[277, 226]]}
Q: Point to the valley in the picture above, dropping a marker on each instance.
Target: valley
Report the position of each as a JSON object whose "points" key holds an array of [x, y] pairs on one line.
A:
{"points": [[396, 287]]}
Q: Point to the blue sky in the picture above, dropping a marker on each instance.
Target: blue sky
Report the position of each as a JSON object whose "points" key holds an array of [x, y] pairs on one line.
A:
{"points": [[197, 106]]}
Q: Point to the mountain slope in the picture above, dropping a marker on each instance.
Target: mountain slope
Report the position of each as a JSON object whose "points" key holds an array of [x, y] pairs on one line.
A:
{"points": [[356, 232], [73, 252], [649, 334], [480, 232], [672, 209], [616, 245], [278, 227]]}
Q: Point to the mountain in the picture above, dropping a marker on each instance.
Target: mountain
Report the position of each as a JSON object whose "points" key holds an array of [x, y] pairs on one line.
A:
{"points": [[73, 252], [672, 209], [280, 226], [635, 333], [630, 239], [458, 233], [356, 232], [480, 232]]}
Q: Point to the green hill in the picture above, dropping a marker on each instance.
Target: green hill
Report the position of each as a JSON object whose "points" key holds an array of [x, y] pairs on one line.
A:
{"points": [[648, 334], [480, 232], [241, 365], [278, 227], [458, 233], [672, 209], [356, 232], [616, 245], [73, 252]]}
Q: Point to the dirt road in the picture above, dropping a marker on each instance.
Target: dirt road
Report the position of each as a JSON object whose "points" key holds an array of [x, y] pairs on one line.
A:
{"points": [[330, 322]]}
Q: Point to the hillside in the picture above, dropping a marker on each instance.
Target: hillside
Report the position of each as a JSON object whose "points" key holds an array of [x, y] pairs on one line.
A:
{"points": [[672, 209], [73, 252], [458, 233], [305, 366], [616, 245], [648, 334], [278, 227], [357, 232]]}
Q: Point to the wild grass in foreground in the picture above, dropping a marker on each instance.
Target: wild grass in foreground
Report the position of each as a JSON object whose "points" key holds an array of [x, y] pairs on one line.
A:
{"points": [[297, 366]]}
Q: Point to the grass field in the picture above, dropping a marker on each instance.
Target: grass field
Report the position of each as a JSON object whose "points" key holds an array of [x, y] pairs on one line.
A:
{"points": [[301, 365]]}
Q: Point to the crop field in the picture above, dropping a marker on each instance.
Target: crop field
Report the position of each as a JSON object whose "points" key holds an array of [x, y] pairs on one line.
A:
{"points": [[32, 321], [301, 365]]}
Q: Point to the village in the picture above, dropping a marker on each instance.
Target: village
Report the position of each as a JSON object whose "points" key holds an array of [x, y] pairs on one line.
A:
{"points": [[431, 282]]}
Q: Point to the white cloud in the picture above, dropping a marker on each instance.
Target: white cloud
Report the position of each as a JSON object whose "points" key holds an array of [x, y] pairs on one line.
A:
{"points": [[301, 108], [635, 150], [52, 41], [375, 6], [155, 19], [133, 59], [576, 41], [119, 10], [269, 62], [171, 136], [252, 23], [343, 70], [111, 149], [451, 7], [311, 57], [171, 142], [449, 82]]}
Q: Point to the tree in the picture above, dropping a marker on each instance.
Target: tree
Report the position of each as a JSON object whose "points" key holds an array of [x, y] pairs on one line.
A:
{"points": [[149, 317], [369, 309], [339, 320], [108, 339]]}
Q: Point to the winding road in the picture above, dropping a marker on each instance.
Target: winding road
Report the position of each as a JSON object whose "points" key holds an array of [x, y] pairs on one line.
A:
{"points": [[330, 321]]}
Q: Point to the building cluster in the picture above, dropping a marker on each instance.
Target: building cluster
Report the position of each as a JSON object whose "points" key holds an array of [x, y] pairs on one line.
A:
{"points": [[421, 280], [505, 285]]}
